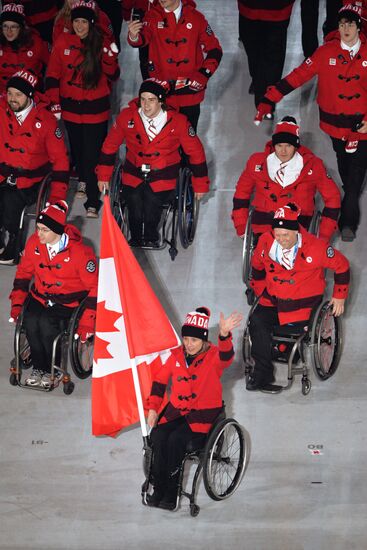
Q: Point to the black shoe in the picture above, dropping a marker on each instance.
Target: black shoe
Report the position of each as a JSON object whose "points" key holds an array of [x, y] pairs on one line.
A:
{"points": [[154, 499], [251, 89], [8, 255], [167, 505], [252, 384], [135, 243], [348, 235], [151, 244], [270, 388]]}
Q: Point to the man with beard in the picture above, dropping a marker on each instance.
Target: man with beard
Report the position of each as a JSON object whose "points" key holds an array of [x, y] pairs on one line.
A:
{"points": [[31, 146]]}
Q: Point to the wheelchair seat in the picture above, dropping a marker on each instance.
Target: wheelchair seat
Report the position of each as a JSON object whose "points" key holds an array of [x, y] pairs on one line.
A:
{"points": [[222, 461], [319, 343], [80, 354], [179, 216]]}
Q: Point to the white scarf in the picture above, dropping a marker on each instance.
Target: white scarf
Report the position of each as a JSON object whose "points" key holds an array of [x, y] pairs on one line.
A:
{"points": [[291, 169]]}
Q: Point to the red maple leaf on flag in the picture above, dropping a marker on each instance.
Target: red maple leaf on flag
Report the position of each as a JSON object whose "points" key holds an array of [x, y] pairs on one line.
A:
{"points": [[106, 323], [106, 318]]}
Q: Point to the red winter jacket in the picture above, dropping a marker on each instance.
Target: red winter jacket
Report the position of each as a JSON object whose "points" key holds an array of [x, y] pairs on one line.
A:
{"points": [[67, 279], [263, 10], [78, 104], [65, 25], [162, 154], [32, 57], [32, 150], [270, 195], [342, 87], [176, 50], [196, 390], [296, 291]]}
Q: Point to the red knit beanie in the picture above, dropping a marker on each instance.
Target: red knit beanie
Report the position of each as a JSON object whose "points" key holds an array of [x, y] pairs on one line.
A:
{"points": [[54, 216], [287, 131], [197, 324], [286, 217]]}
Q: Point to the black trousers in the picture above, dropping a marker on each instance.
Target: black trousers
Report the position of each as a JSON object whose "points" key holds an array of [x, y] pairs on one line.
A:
{"points": [[352, 170], [145, 210], [86, 142], [262, 323], [265, 45], [332, 9], [42, 325], [170, 442], [192, 112], [310, 19], [12, 202]]}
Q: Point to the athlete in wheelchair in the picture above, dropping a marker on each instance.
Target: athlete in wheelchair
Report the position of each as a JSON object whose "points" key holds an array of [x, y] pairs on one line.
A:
{"points": [[154, 134], [285, 171], [63, 294], [195, 405], [31, 145], [288, 278]]}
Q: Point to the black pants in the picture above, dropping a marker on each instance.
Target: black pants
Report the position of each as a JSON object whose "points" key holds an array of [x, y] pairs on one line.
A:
{"points": [[262, 323], [86, 141], [192, 112], [12, 202], [42, 325], [145, 210], [114, 11], [332, 9], [170, 442], [352, 169], [310, 19], [265, 45]]}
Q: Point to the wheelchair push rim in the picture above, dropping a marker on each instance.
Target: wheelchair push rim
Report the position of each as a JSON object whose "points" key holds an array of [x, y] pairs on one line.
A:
{"points": [[188, 209], [247, 251], [81, 353], [327, 342], [224, 460]]}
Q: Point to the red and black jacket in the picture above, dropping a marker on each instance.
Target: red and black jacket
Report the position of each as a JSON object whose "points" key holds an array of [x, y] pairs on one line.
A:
{"points": [[162, 154], [196, 391], [296, 291], [30, 151], [64, 84], [341, 90], [270, 195], [187, 49], [266, 10], [33, 57], [70, 277]]}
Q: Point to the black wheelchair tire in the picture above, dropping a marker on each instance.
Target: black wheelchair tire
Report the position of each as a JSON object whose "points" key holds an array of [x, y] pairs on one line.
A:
{"points": [[318, 340], [188, 208], [216, 453], [76, 347], [247, 251]]}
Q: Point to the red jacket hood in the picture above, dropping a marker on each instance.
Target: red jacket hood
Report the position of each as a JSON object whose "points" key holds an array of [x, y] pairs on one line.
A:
{"points": [[73, 233]]}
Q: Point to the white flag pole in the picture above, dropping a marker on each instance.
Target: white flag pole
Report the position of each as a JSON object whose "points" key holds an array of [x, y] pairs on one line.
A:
{"points": [[139, 399]]}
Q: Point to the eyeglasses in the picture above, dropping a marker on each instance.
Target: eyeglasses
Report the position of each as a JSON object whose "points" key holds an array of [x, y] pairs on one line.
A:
{"points": [[10, 27], [348, 24]]}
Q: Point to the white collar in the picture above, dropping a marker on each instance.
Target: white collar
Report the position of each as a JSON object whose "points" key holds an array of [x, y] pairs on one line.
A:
{"points": [[22, 115], [177, 11], [354, 49]]}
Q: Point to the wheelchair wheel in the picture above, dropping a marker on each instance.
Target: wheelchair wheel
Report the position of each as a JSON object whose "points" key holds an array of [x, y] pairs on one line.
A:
{"points": [[315, 223], [116, 202], [21, 345], [326, 339], [81, 353], [43, 194], [247, 251], [188, 208], [224, 459]]}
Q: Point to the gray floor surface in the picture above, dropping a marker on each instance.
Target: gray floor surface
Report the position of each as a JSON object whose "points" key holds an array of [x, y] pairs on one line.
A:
{"points": [[61, 488]]}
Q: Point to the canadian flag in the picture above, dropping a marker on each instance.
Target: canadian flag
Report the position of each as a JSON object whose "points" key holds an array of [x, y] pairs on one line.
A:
{"points": [[133, 335]]}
